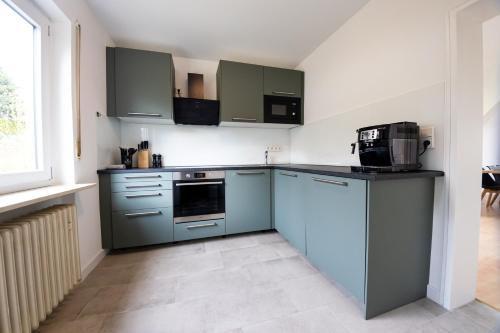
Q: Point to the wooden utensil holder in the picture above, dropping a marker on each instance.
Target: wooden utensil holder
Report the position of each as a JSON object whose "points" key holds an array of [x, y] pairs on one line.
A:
{"points": [[143, 159]]}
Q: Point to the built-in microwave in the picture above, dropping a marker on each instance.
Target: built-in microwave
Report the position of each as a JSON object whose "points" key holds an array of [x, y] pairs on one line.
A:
{"points": [[282, 110]]}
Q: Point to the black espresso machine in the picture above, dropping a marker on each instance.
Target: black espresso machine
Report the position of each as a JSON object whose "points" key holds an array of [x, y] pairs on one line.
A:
{"points": [[388, 148]]}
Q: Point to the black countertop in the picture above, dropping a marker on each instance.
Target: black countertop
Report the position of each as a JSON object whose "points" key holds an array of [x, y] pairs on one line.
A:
{"points": [[327, 170]]}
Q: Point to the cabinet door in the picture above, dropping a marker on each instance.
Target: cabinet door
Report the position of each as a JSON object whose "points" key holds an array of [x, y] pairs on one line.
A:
{"points": [[283, 82], [289, 207], [142, 227], [248, 201], [336, 229], [143, 82], [240, 92]]}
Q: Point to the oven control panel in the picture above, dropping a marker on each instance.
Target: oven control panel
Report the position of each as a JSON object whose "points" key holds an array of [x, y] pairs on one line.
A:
{"points": [[198, 175]]}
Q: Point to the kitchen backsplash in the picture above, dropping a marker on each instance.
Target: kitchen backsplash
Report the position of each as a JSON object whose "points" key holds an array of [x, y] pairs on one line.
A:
{"points": [[206, 145]]}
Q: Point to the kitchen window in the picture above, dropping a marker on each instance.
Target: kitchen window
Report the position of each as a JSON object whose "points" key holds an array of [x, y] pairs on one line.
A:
{"points": [[24, 153]]}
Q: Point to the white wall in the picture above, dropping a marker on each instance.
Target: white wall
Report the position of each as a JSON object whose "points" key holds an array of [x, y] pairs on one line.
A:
{"points": [[491, 90], [207, 145], [93, 99], [386, 64]]}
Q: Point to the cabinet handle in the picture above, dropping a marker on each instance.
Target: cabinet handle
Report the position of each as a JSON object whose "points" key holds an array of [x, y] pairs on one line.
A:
{"points": [[198, 184], [144, 114], [250, 173], [201, 226], [143, 186], [131, 196], [143, 214], [245, 119], [142, 177], [283, 93], [288, 174], [328, 181]]}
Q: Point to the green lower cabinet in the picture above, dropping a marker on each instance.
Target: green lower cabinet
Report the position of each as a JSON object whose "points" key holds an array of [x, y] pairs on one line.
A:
{"points": [[248, 201], [199, 229], [336, 229], [289, 200], [142, 227]]}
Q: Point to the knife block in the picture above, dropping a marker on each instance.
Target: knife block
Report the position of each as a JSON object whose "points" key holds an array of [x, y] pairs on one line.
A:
{"points": [[143, 159]]}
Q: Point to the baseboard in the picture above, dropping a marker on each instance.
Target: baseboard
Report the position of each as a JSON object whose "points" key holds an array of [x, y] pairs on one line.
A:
{"points": [[434, 294], [93, 263]]}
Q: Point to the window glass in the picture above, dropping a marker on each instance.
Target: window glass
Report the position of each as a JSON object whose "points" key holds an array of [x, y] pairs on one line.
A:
{"points": [[18, 109]]}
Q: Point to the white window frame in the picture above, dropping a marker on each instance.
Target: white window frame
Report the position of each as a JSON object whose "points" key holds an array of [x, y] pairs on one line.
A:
{"points": [[16, 181]]}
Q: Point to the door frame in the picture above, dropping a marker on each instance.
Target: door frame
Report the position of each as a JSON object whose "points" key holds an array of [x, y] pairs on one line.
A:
{"points": [[463, 114]]}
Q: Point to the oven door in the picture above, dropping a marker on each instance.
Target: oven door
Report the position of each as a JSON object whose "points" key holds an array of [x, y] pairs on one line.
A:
{"points": [[199, 200], [282, 110]]}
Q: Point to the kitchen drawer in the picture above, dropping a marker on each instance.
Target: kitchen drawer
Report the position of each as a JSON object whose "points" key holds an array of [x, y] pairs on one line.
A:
{"points": [[141, 186], [142, 227], [141, 200], [140, 177], [199, 229]]}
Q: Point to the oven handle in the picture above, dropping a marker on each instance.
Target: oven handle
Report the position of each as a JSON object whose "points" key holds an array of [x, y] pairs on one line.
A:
{"points": [[201, 226], [199, 183], [283, 93]]}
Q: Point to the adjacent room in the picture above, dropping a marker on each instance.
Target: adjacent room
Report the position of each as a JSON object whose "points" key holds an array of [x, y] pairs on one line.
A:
{"points": [[488, 285], [249, 166]]}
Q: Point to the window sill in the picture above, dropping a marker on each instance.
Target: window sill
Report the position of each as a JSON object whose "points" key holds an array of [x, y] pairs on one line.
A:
{"points": [[11, 201]]}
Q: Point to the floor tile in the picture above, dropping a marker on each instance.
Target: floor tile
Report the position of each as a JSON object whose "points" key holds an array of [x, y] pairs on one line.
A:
{"points": [[91, 324], [230, 243], [318, 320], [211, 283], [312, 291], [250, 283], [171, 318], [177, 266], [251, 305], [482, 314], [459, 323], [269, 237], [73, 304], [127, 297], [248, 255], [274, 271]]}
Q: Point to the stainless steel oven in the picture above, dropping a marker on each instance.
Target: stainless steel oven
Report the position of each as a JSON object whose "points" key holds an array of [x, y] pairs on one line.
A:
{"points": [[199, 196]]}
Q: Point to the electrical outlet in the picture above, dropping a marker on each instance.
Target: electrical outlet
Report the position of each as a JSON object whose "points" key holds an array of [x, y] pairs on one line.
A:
{"points": [[274, 148], [427, 133]]}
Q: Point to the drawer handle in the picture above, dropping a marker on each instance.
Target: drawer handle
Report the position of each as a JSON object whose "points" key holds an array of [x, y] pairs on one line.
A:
{"points": [[245, 119], [201, 226], [198, 184], [288, 174], [142, 114], [132, 196], [283, 93], [248, 173], [143, 186], [332, 182], [143, 214], [142, 177]]}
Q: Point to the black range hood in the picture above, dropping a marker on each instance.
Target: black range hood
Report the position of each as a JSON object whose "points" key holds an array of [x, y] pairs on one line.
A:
{"points": [[194, 111]]}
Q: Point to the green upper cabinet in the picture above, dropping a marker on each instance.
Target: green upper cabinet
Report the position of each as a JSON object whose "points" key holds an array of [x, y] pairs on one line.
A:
{"points": [[336, 229], [289, 209], [283, 82], [240, 92], [140, 83], [248, 200]]}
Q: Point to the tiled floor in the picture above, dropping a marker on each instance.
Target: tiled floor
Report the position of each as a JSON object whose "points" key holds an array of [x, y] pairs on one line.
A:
{"points": [[488, 277], [252, 283]]}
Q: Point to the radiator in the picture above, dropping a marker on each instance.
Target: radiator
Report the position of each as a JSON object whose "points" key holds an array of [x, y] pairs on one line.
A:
{"points": [[39, 265]]}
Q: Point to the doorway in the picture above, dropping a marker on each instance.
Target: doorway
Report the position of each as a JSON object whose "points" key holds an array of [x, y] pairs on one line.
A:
{"points": [[463, 153], [488, 274]]}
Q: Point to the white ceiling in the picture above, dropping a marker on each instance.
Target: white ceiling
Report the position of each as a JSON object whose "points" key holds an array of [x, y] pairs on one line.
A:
{"points": [[268, 32]]}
